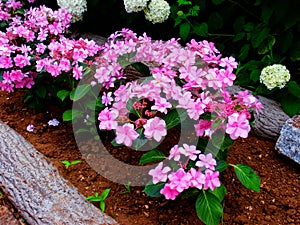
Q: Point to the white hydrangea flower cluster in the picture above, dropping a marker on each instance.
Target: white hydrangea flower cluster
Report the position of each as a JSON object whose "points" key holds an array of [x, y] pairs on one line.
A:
{"points": [[75, 7], [135, 5], [158, 11], [275, 75]]}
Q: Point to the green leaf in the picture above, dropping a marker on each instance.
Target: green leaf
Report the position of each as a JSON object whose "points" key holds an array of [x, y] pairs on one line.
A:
{"points": [[184, 30], [247, 177], [294, 89], [290, 104], [142, 68], [66, 163], [183, 2], [80, 91], [70, 114], [105, 193], [174, 117], [67, 115], [201, 29], [62, 94], [219, 192], [153, 190], [244, 52], [239, 36], [227, 142], [259, 34], [194, 10], [74, 162], [102, 206], [209, 208], [152, 156], [221, 165], [254, 75], [266, 13]]}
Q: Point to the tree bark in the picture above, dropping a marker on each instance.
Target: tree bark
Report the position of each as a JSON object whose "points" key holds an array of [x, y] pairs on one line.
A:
{"points": [[36, 189]]}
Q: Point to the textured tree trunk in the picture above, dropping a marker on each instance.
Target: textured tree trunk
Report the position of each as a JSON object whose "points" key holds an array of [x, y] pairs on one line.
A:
{"points": [[36, 189], [269, 121]]}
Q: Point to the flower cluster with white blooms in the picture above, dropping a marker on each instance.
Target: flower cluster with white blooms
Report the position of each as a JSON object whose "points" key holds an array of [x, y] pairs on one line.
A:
{"points": [[276, 75], [157, 11], [135, 5], [75, 7]]}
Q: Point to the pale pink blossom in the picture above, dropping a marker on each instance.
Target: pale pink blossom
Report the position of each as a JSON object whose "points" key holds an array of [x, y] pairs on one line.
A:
{"points": [[206, 161], [155, 128], [159, 174], [179, 180], [197, 178], [175, 153], [126, 134], [189, 151], [161, 105], [238, 126], [107, 119], [211, 180]]}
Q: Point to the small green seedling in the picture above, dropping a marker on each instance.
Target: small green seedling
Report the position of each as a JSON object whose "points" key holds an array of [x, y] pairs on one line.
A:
{"points": [[127, 186], [68, 163], [97, 198]]}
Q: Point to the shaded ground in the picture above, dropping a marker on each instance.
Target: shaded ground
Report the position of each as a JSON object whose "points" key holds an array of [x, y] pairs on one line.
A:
{"points": [[278, 203]]}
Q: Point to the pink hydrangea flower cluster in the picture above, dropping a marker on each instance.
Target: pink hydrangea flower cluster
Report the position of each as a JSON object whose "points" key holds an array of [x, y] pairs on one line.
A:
{"points": [[193, 78], [201, 176], [35, 42]]}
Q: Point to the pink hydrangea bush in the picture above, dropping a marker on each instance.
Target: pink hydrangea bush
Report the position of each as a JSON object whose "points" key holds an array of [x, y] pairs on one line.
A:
{"points": [[34, 43], [191, 81]]}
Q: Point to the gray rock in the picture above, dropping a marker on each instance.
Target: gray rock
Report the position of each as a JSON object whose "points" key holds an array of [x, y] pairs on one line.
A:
{"points": [[288, 142]]}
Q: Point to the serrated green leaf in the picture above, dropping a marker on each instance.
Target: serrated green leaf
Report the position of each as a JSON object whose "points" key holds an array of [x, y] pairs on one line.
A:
{"points": [[62, 94], [184, 30], [153, 190], [152, 156], [209, 208], [247, 177], [79, 92]]}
